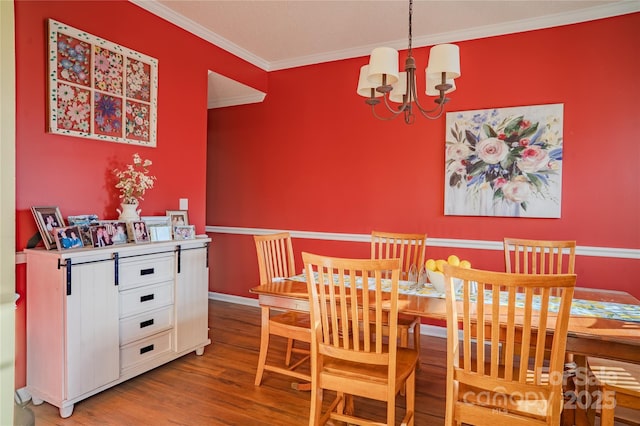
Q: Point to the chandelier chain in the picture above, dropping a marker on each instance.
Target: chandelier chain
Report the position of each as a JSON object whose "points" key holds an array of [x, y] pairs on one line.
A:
{"points": [[410, 26]]}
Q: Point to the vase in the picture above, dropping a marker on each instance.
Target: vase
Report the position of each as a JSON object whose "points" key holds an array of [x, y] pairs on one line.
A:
{"points": [[129, 212]]}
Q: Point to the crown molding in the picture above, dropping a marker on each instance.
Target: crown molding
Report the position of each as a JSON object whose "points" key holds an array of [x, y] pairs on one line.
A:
{"points": [[236, 100], [584, 15], [186, 24]]}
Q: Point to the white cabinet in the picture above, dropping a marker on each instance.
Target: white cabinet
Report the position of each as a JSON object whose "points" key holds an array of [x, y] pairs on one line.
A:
{"points": [[192, 311], [97, 317]]}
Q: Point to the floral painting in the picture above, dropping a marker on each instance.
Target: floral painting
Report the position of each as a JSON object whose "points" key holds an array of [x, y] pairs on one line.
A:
{"points": [[504, 162], [100, 90]]}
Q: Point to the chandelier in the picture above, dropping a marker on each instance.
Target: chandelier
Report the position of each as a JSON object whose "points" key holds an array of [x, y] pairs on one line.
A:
{"points": [[381, 79]]}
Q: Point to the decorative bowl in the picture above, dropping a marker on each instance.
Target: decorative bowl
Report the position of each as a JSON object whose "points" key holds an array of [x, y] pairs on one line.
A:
{"points": [[437, 280]]}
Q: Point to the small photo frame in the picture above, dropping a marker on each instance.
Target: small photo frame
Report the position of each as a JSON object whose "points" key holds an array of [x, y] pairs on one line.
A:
{"points": [[117, 231], [100, 236], [84, 222], [138, 230], [156, 220], [184, 232], [48, 218], [68, 237], [159, 233], [178, 218]]}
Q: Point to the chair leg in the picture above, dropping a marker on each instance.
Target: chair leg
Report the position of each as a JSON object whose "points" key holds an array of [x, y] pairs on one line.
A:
{"points": [[264, 345], [410, 386], [607, 407], [316, 406], [287, 359], [416, 342]]}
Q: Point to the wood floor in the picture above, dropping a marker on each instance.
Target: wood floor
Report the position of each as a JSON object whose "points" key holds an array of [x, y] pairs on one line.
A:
{"points": [[217, 388]]}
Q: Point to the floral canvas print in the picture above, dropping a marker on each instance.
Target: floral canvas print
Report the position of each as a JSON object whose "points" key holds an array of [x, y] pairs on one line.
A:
{"points": [[504, 162], [100, 90]]}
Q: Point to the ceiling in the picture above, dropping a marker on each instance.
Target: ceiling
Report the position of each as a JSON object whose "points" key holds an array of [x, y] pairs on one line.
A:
{"points": [[283, 34]]}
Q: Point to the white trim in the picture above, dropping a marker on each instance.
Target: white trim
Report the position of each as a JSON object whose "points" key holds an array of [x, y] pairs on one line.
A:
{"points": [[622, 253], [236, 100], [158, 9], [239, 300], [583, 15]]}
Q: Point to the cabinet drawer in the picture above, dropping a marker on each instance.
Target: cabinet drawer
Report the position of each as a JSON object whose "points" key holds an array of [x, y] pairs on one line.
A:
{"points": [[144, 299], [142, 350], [146, 324], [146, 270]]}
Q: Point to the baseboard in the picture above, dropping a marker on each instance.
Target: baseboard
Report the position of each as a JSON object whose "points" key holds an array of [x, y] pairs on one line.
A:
{"points": [[425, 329], [22, 396]]}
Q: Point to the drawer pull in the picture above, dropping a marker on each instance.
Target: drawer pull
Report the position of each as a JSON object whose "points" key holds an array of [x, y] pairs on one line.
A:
{"points": [[147, 271], [146, 349], [146, 323], [147, 297]]}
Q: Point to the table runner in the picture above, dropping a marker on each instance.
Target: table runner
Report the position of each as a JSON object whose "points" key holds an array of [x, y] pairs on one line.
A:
{"points": [[579, 307]]}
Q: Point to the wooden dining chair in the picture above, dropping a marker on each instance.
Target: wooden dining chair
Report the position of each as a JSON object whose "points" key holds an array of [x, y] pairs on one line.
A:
{"points": [[527, 388], [617, 390], [275, 261], [350, 354], [410, 249], [526, 256]]}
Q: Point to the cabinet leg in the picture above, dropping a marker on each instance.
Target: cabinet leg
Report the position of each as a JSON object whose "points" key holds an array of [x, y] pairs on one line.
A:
{"points": [[66, 411], [200, 351]]}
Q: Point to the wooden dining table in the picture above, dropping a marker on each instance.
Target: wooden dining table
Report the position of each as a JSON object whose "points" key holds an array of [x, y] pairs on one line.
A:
{"points": [[587, 336]]}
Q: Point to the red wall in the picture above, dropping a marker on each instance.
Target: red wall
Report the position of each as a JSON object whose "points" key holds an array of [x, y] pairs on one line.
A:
{"points": [[277, 164], [311, 157], [74, 173]]}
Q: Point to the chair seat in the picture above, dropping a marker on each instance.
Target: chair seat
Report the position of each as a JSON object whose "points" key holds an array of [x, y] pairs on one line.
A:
{"points": [[406, 362], [292, 319], [530, 406], [619, 383]]}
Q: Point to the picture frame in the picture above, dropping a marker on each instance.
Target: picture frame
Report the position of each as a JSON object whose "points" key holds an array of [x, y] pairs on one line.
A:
{"points": [[118, 231], [178, 218], [184, 232], [68, 237], [156, 220], [84, 222], [47, 219], [100, 90], [138, 231], [504, 162], [159, 233], [108, 233]]}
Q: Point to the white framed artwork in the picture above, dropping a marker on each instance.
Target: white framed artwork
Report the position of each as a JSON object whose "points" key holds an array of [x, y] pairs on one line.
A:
{"points": [[504, 162], [100, 90]]}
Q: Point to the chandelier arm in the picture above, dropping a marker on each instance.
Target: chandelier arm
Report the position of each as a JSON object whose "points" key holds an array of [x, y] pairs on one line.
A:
{"points": [[424, 111], [393, 111], [393, 115]]}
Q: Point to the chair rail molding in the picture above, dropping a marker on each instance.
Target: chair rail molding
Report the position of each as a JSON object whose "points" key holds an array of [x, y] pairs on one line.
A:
{"points": [[623, 253]]}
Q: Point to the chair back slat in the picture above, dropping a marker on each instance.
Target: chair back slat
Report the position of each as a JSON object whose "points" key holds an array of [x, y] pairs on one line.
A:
{"points": [[341, 326], [409, 248], [275, 256], [519, 313]]}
